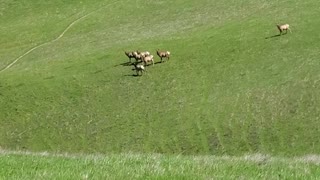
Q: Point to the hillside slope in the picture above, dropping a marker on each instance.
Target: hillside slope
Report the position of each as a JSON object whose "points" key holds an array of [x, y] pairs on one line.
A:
{"points": [[154, 166], [232, 85]]}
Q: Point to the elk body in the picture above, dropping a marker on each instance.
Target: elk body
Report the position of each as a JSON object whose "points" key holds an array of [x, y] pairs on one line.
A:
{"points": [[129, 54], [163, 54], [147, 59], [284, 27], [137, 55], [144, 58], [144, 54], [139, 68]]}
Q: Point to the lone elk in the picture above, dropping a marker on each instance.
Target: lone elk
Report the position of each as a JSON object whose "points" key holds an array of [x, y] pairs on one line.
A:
{"points": [[284, 27]]}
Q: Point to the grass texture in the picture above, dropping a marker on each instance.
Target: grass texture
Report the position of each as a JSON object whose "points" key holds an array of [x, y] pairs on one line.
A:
{"points": [[232, 86], [26, 165]]}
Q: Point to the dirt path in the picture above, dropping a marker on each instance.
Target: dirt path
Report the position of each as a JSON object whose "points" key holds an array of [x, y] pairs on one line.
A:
{"points": [[56, 39]]}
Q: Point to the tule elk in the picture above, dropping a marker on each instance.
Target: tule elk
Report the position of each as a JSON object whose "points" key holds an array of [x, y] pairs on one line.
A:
{"points": [[283, 27], [163, 54]]}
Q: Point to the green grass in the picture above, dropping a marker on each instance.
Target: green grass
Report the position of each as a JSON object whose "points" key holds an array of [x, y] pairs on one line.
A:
{"points": [[24, 165], [230, 87]]}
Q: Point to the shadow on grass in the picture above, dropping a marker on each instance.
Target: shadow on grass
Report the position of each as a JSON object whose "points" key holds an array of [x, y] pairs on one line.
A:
{"points": [[128, 63], [137, 62], [278, 35], [161, 62], [133, 75]]}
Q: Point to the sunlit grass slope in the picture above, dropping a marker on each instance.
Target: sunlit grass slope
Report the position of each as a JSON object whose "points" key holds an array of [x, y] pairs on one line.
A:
{"points": [[26, 165], [230, 87]]}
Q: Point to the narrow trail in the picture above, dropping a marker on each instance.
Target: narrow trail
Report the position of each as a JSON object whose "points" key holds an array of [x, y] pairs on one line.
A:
{"points": [[56, 39], [257, 158]]}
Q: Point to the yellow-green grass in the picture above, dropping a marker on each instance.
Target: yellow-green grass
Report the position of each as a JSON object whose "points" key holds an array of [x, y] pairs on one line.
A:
{"points": [[231, 86], [27, 165]]}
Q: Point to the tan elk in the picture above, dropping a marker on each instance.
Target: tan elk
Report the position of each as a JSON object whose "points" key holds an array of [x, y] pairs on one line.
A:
{"points": [[283, 27], [147, 59], [137, 55], [144, 54], [139, 68], [163, 54], [130, 55]]}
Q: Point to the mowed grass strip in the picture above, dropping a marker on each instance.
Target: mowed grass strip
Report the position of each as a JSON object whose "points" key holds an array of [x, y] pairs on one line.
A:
{"points": [[26, 165], [231, 86]]}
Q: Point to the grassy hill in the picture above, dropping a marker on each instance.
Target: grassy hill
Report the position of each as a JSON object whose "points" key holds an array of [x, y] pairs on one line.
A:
{"points": [[231, 86], [154, 166]]}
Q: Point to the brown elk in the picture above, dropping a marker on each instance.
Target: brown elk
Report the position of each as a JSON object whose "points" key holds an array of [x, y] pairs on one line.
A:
{"points": [[129, 54], [147, 59], [137, 55], [144, 54], [163, 54]]}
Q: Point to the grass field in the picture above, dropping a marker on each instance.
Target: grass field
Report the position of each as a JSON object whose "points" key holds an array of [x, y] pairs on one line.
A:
{"points": [[231, 86], [23, 165]]}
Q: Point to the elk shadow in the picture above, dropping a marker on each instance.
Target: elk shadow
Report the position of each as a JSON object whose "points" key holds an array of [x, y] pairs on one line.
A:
{"points": [[162, 62], [133, 75], [274, 36], [128, 63], [132, 63]]}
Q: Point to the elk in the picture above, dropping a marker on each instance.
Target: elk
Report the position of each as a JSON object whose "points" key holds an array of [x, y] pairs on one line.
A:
{"points": [[283, 27], [163, 54], [147, 59], [129, 54], [144, 54], [137, 55], [139, 68]]}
